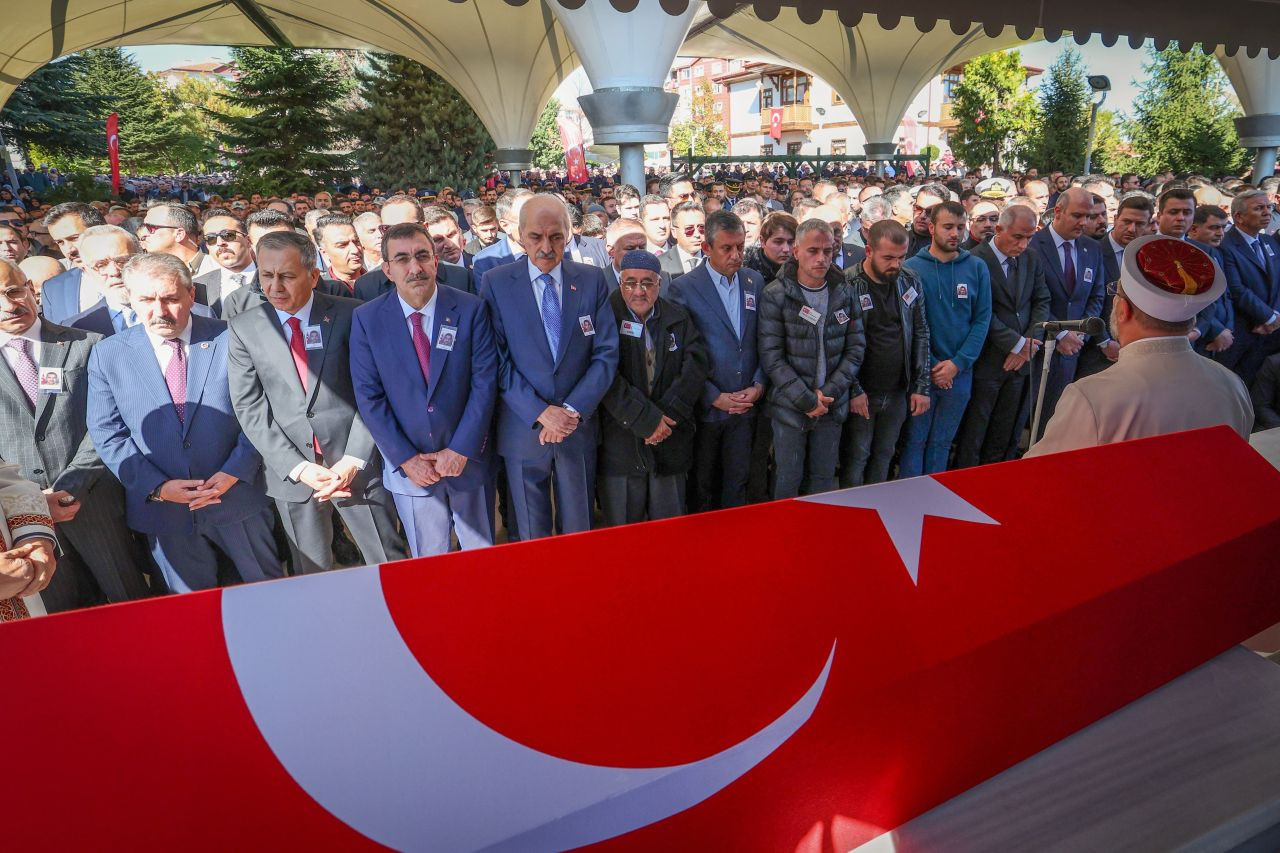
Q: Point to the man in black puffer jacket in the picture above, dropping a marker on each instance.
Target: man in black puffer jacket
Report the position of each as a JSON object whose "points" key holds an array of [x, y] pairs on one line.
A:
{"points": [[810, 344]]}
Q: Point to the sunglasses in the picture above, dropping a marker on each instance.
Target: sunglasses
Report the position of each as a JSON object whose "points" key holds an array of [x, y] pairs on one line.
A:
{"points": [[227, 236], [690, 230], [153, 228]]}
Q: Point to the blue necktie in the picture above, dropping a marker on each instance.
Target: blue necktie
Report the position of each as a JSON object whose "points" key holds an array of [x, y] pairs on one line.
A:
{"points": [[550, 312], [1257, 250]]}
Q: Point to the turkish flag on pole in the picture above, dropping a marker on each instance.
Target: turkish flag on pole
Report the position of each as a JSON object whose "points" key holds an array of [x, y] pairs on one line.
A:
{"points": [[574, 157], [113, 151], [775, 124], [867, 655]]}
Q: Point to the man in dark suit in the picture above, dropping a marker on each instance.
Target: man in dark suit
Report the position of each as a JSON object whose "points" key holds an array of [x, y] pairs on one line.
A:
{"points": [[1253, 276], [160, 415], [104, 251], [1213, 336], [722, 295], [431, 419], [1074, 272], [44, 433], [1019, 300], [508, 247], [650, 412], [66, 295], [689, 227], [1133, 219], [227, 238], [553, 372], [447, 239], [290, 378], [260, 223]]}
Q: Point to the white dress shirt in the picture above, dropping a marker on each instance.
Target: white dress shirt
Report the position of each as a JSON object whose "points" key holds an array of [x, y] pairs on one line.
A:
{"points": [[11, 355], [1003, 259], [233, 281], [165, 353], [688, 262], [427, 311]]}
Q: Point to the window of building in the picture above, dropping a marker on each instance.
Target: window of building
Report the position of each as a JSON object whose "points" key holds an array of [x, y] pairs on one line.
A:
{"points": [[949, 83], [836, 100], [716, 67], [793, 147], [802, 90], [717, 87], [719, 106], [766, 150], [697, 70], [788, 91], [684, 73], [839, 146], [766, 98]]}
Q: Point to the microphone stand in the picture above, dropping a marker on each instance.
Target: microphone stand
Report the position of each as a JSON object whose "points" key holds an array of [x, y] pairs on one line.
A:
{"points": [[1050, 344]]}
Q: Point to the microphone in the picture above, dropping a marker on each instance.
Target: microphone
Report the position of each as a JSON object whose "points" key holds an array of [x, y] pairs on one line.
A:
{"points": [[1090, 326]]}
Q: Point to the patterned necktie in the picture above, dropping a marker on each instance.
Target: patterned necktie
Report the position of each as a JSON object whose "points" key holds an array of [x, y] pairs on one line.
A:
{"points": [[1069, 267], [175, 376], [26, 370], [421, 346], [550, 312], [690, 264], [1257, 250]]}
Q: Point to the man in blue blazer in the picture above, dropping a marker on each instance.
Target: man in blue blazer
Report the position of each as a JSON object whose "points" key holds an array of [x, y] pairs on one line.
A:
{"points": [[66, 295], [1215, 325], [160, 414], [507, 247], [425, 371], [557, 356], [1132, 220], [1074, 271], [722, 295], [1252, 266]]}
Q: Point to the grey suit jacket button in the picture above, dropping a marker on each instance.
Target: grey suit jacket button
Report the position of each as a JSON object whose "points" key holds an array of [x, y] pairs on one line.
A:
{"points": [[431, 408], [186, 445], [37, 470], [311, 414]]}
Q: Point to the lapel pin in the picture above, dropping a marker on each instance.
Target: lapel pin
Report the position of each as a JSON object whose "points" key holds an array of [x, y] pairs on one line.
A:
{"points": [[204, 345], [326, 319], [574, 288]]}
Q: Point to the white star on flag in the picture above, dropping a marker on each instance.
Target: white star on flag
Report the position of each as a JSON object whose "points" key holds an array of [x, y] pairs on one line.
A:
{"points": [[902, 505]]}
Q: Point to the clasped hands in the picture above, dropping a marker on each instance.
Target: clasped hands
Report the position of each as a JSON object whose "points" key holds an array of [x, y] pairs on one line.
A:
{"points": [[427, 469], [558, 423], [738, 402], [198, 494], [329, 483], [27, 568]]}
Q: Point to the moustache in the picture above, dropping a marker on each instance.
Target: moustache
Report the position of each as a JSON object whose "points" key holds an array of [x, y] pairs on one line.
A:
{"points": [[161, 321], [545, 256], [16, 311]]}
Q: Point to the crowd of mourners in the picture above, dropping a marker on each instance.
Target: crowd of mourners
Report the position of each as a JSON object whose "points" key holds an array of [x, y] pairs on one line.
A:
{"points": [[202, 380]]}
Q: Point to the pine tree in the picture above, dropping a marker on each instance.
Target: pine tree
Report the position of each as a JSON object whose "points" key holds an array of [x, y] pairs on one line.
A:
{"points": [[1112, 153], [548, 149], [703, 130], [1183, 116], [50, 110], [149, 131], [1064, 116], [289, 142], [413, 128], [996, 114]]}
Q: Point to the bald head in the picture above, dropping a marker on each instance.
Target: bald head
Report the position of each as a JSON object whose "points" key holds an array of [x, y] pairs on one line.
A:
{"points": [[18, 307], [544, 230], [1071, 213], [40, 269]]}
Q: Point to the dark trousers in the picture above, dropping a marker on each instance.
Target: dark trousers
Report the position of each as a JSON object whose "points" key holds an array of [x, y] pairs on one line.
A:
{"points": [[1062, 372], [721, 455], [628, 498], [568, 471], [101, 561], [868, 444], [805, 460], [371, 523], [189, 561], [994, 420], [760, 475], [1092, 360]]}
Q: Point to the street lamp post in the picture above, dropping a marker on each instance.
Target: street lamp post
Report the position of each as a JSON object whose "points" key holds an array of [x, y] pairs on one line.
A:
{"points": [[1100, 85]]}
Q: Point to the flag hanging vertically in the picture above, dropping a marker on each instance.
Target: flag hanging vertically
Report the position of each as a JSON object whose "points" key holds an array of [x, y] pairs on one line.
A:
{"points": [[575, 157], [113, 151]]}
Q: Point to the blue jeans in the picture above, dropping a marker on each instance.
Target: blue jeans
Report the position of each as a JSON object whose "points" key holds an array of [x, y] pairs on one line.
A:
{"points": [[805, 459], [868, 444], [929, 436]]}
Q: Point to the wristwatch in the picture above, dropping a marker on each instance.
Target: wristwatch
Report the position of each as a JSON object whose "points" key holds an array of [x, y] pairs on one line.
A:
{"points": [[154, 497]]}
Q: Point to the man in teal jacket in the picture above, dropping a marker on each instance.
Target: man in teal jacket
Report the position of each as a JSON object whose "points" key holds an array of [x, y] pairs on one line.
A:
{"points": [[957, 301]]}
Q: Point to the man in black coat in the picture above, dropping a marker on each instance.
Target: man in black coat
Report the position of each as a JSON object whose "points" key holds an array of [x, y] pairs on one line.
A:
{"points": [[649, 412]]}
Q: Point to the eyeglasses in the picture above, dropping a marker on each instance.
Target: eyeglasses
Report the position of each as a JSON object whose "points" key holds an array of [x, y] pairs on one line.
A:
{"points": [[153, 227], [690, 230], [227, 236], [101, 265], [640, 285], [15, 294]]}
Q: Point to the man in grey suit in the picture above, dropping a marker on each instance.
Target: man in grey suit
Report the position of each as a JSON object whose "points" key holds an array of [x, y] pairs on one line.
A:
{"points": [[689, 227], [998, 408], [228, 240], [44, 391], [290, 379], [260, 223]]}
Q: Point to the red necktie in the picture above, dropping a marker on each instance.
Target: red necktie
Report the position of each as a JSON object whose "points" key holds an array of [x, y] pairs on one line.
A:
{"points": [[422, 346], [298, 349]]}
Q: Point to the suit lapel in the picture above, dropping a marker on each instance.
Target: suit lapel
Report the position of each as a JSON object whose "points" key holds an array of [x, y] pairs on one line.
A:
{"points": [[322, 316], [54, 350], [398, 342], [570, 299], [1054, 260], [271, 333], [446, 315], [199, 361], [709, 292], [1246, 250], [148, 371]]}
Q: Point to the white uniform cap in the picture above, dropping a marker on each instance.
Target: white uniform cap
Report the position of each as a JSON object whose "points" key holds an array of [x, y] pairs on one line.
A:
{"points": [[1170, 279]]}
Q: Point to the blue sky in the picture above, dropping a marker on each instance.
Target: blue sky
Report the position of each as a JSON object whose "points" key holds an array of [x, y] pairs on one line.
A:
{"points": [[1121, 63]]}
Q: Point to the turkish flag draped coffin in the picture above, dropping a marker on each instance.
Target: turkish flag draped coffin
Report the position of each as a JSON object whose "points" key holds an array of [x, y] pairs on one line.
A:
{"points": [[730, 681]]}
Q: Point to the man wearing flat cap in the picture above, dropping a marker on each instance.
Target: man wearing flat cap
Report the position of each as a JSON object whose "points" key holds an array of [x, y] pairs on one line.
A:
{"points": [[649, 412], [1158, 385]]}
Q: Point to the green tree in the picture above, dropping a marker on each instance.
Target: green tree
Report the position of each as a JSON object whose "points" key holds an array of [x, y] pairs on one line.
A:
{"points": [[1182, 118], [289, 141], [996, 114], [149, 129], [1063, 132], [52, 112], [414, 128], [1111, 150], [548, 150], [197, 102], [704, 129]]}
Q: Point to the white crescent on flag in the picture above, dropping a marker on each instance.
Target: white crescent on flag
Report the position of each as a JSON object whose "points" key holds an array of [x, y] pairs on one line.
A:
{"points": [[350, 713]]}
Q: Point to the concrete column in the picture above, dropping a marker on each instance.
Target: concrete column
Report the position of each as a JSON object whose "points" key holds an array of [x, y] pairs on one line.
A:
{"points": [[1257, 85], [1262, 134], [513, 161], [628, 107], [880, 152]]}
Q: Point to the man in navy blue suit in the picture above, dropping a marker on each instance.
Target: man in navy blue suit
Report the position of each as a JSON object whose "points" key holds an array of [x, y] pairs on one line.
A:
{"points": [[425, 371], [160, 414], [558, 353], [104, 251], [1133, 219], [1214, 336], [508, 247], [1073, 269], [722, 295], [1252, 266], [65, 295]]}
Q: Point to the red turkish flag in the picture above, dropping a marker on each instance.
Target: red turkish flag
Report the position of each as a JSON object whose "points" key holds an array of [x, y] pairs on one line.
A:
{"points": [[931, 632], [113, 151], [574, 156], [775, 124]]}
